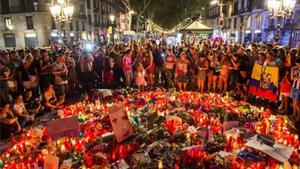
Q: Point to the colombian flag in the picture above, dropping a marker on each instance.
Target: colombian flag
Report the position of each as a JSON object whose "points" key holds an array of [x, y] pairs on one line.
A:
{"points": [[264, 82]]}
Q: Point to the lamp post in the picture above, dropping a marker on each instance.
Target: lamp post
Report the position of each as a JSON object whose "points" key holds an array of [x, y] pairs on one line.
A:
{"points": [[221, 5], [284, 9], [112, 20], [62, 11]]}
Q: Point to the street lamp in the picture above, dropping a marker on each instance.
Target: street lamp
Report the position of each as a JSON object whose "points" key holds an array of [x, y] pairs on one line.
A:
{"points": [[281, 8], [112, 20], [61, 10]]}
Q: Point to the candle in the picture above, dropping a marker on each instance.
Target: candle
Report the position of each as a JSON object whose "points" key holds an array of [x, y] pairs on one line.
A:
{"points": [[188, 138], [160, 164]]}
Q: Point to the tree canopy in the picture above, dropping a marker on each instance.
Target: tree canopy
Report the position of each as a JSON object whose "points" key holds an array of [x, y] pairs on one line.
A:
{"points": [[168, 13]]}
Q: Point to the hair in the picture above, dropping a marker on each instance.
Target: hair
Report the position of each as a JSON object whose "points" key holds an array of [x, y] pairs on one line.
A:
{"points": [[297, 60], [28, 56]]}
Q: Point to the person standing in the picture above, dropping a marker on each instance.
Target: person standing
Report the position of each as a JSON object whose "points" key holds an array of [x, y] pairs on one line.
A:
{"points": [[181, 71], [60, 72], [86, 67], [71, 65], [169, 64], [45, 66], [202, 66], [149, 67], [4, 74], [158, 60], [28, 76], [128, 67], [295, 77]]}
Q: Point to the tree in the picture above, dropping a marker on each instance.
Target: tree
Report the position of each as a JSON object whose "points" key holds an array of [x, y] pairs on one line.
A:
{"points": [[166, 13]]}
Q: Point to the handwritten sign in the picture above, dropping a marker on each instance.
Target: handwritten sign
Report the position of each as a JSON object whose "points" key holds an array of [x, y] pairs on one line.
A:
{"points": [[51, 162], [63, 127], [120, 122], [228, 125]]}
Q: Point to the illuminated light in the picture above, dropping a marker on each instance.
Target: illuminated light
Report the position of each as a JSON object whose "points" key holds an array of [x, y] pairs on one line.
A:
{"points": [[247, 31], [30, 35], [257, 31], [89, 46]]}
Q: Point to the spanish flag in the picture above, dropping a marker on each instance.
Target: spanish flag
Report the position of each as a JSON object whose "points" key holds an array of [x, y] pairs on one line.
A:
{"points": [[264, 82]]}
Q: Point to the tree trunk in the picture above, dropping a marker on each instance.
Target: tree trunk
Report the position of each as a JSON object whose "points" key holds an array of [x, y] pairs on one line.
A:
{"points": [[137, 23]]}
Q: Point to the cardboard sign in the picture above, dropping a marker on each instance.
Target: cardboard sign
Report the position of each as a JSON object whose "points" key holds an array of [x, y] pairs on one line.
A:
{"points": [[120, 122], [51, 162], [228, 125], [63, 127], [279, 152]]}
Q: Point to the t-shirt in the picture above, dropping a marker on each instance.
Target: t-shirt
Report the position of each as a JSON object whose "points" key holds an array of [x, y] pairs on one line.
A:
{"points": [[20, 107], [25, 73], [59, 79], [126, 63], [158, 60]]}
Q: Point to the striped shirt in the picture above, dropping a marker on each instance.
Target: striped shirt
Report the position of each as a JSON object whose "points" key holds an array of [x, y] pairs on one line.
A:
{"points": [[296, 75]]}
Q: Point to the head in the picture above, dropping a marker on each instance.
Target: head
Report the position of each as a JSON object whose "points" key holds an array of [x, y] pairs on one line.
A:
{"points": [[169, 52], [269, 47], [5, 107], [28, 94], [19, 99], [182, 55], [261, 56], [192, 50], [13, 55], [254, 48], [241, 50], [235, 57], [49, 87], [140, 68], [270, 56], [60, 58], [5, 57], [28, 59], [44, 54]]}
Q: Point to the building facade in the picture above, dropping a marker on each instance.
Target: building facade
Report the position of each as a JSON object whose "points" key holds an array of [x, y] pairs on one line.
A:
{"points": [[29, 22], [248, 21]]}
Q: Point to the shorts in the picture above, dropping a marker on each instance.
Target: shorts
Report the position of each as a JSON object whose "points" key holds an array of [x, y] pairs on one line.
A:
{"points": [[60, 89], [182, 78], [296, 94]]}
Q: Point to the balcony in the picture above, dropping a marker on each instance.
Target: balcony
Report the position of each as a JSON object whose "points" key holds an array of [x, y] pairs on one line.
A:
{"points": [[24, 9]]}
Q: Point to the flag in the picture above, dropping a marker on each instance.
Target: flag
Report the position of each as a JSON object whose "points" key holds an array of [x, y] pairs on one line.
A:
{"points": [[264, 82]]}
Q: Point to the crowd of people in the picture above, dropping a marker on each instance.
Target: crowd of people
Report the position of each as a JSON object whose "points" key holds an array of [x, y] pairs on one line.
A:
{"points": [[39, 80]]}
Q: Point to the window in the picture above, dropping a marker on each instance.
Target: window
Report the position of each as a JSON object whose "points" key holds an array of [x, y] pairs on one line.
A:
{"points": [[29, 22], [53, 25], [8, 24], [71, 26], [10, 40], [81, 8], [77, 26], [83, 26], [88, 4]]}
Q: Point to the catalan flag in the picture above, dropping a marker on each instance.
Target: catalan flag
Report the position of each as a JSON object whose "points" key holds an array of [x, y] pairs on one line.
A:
{"points": [[264, 82]]}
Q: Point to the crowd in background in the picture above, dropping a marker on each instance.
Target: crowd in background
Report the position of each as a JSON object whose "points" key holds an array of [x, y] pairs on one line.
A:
{"points": [[39, 80]]}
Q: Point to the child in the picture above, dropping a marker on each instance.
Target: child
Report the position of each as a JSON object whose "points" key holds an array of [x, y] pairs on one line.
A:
{"points": [[242, 84], [32, 105], [285, 89], [140, 77]]}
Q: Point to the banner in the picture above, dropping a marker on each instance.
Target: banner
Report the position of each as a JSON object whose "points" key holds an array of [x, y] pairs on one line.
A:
{"points": [[264, 82]]}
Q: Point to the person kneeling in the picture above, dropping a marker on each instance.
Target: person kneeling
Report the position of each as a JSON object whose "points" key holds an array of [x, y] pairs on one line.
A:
{"points": [[50, 99], [32, 105], [21, 112], [8, 122]]}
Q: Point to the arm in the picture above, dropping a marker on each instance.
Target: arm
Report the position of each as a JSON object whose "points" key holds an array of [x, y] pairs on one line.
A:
{"points": [[8, 121], [44, 67], [151, 62]]}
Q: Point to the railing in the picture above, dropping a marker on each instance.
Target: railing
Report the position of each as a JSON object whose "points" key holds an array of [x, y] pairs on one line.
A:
{"points": [[22, 9]]}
